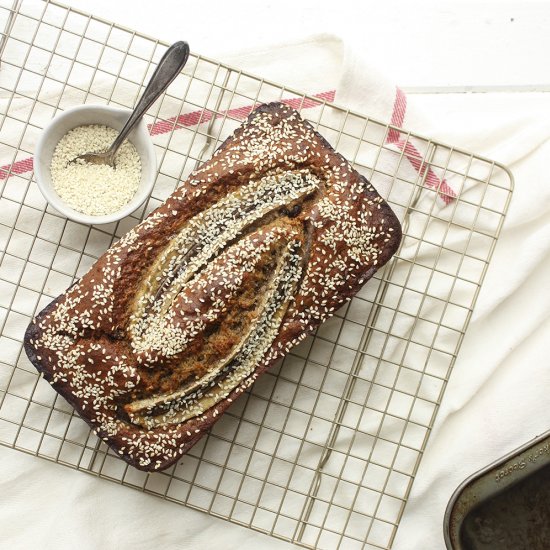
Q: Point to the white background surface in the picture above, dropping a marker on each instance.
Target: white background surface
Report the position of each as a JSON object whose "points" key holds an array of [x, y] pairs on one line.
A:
{"points": [[423, 44], [501, 380]]}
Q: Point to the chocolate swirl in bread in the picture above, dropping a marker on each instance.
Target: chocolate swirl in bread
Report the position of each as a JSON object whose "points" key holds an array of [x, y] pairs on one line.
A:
{"points": [[246, 258]]}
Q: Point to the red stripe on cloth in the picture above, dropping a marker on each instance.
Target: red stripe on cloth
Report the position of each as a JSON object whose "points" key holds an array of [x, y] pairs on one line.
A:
{"points": [[308, 102], [398, 115], [415, 158], [239, 113], [180, 121], [186, 120], [412, 153], [19, 167], [294, 102], [202, 116]]}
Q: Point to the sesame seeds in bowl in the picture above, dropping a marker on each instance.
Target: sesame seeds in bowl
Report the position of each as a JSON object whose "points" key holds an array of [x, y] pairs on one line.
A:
{"points": [[94, 194], [94, 189]]}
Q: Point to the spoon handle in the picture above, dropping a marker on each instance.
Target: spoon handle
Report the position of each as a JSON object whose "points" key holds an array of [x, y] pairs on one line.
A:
{"points": [[168, 68]]}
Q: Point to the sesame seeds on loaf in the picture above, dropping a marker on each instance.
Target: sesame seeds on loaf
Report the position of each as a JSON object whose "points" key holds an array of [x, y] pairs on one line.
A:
{"points": [[260, 245]]}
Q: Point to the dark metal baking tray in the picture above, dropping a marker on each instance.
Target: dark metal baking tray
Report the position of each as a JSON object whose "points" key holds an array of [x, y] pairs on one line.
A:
{"points": [[505, 505]]}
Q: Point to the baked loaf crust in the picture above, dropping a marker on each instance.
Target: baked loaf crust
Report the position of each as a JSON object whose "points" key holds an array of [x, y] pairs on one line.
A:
{"points": [[258, 247]]}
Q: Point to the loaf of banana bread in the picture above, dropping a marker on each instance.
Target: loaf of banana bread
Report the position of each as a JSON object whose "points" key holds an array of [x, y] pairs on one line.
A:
{"points": [[249, 255]]}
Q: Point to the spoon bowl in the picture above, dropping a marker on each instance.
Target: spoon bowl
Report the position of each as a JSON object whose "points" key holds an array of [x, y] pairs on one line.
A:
{"points": [[103, 157]]}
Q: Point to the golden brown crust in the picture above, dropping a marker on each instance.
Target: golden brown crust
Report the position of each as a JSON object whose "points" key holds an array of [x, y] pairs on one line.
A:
{"points": [[167, 283]]}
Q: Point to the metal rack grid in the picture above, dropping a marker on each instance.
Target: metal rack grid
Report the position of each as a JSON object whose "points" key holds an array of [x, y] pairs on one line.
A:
{"points": [[323, 450]]}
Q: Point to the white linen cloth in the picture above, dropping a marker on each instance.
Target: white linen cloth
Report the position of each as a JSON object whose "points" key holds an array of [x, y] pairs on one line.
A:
{"points": [[496, 397]]}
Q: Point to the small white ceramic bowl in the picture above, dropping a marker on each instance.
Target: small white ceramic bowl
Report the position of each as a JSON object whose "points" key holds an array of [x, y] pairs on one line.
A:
{"points": [[81, 116]]}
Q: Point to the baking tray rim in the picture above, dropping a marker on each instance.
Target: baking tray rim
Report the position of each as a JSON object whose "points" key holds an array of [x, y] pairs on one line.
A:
{"points": [[452, 521]]}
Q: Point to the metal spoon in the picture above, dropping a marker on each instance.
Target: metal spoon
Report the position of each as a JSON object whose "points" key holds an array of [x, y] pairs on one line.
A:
{"points": [[170, 65]]}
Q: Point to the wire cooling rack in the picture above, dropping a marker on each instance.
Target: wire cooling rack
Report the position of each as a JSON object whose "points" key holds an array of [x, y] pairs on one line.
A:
{"points": [[323, 450]]}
